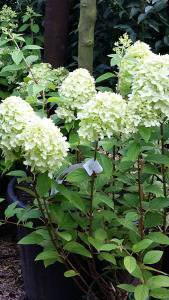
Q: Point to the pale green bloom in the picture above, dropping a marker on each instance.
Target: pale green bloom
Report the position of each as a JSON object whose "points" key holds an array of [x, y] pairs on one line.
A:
{"points": [[44, 148], [150, 90], [76, 90], [101, 116], [15, 113], [42, 78], [130, 64]]}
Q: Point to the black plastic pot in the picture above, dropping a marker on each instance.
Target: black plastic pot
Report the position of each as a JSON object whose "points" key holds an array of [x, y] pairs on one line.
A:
{"points": [[41, 283]]}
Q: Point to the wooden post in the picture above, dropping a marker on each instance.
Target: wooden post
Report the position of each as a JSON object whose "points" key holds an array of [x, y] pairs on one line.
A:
{"points": [[88, 12]]}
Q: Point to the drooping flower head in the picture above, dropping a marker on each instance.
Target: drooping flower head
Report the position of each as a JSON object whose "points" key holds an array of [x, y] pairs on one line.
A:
{"points": [[44, 148], [76, 90], [15, 114], [129, 65], [101, 116]]}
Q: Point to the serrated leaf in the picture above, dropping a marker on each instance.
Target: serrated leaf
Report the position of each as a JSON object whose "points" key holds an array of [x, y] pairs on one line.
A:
{"points": [[158, 203], [141, 292], [47, 254], [32, 47], [158, 281], [152, 257], [70, 273], [100, 234], [65, 235], [103, 198], [77, 248], [17, 173], [17, 56], [158, 158], [108, 257], [10, 210], [31, 239], [145, 133], [159, 238], [105, 76], [130, 263], [127, 287], [43, 185], [160, 293], [133, 152], [142, 245], [35, 28]]}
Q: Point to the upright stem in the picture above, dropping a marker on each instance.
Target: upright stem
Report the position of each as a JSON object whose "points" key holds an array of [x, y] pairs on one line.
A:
{"points": [[114, 169], [163, 172], [92, 193], [141, 199], [88, 11]]}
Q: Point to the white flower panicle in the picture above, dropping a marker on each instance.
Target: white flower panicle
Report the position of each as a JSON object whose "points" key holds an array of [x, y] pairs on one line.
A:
{"points": [[15, 114], [44, 147], [76, 90], [150, 90], [101, 116], [130, 64]]}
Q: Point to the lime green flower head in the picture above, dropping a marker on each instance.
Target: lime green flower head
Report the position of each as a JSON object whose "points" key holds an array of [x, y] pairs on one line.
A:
{"points": [[15, 114], [44, 148], [76, 90], [130, 64], [101, 116]]}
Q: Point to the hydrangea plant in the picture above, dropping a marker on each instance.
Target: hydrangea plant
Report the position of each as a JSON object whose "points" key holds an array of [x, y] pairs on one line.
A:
{"points": [[105, 216]]}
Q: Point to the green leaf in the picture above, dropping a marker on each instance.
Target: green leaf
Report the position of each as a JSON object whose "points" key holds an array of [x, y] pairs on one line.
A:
{"points": [[141, 292], [133, 152], [153, 219], [71, 273], [47, 254], [35, 28], [17, 173], [158, 281], [73, 197], [152, 257], [145, 133], [32, 47], [11, 68], [2, 200], [31, 59], [105, 76], [17, 56], [65, 235], [77, 176], [142, 245], [100, 234], [103, 198], [127, 287], [160, 293], [159, 238], [23, 27], [158, 203], [107, 247], [158, 158], [31, 239], [10, 210], [153, 189], [130, 263], [108, 257], [43, 185], [54, 99], [149, 169], [77, 248], [26, 190]]}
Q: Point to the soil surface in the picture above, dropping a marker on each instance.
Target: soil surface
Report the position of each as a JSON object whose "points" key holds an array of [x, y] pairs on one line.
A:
{"points": [[11, 283]]}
